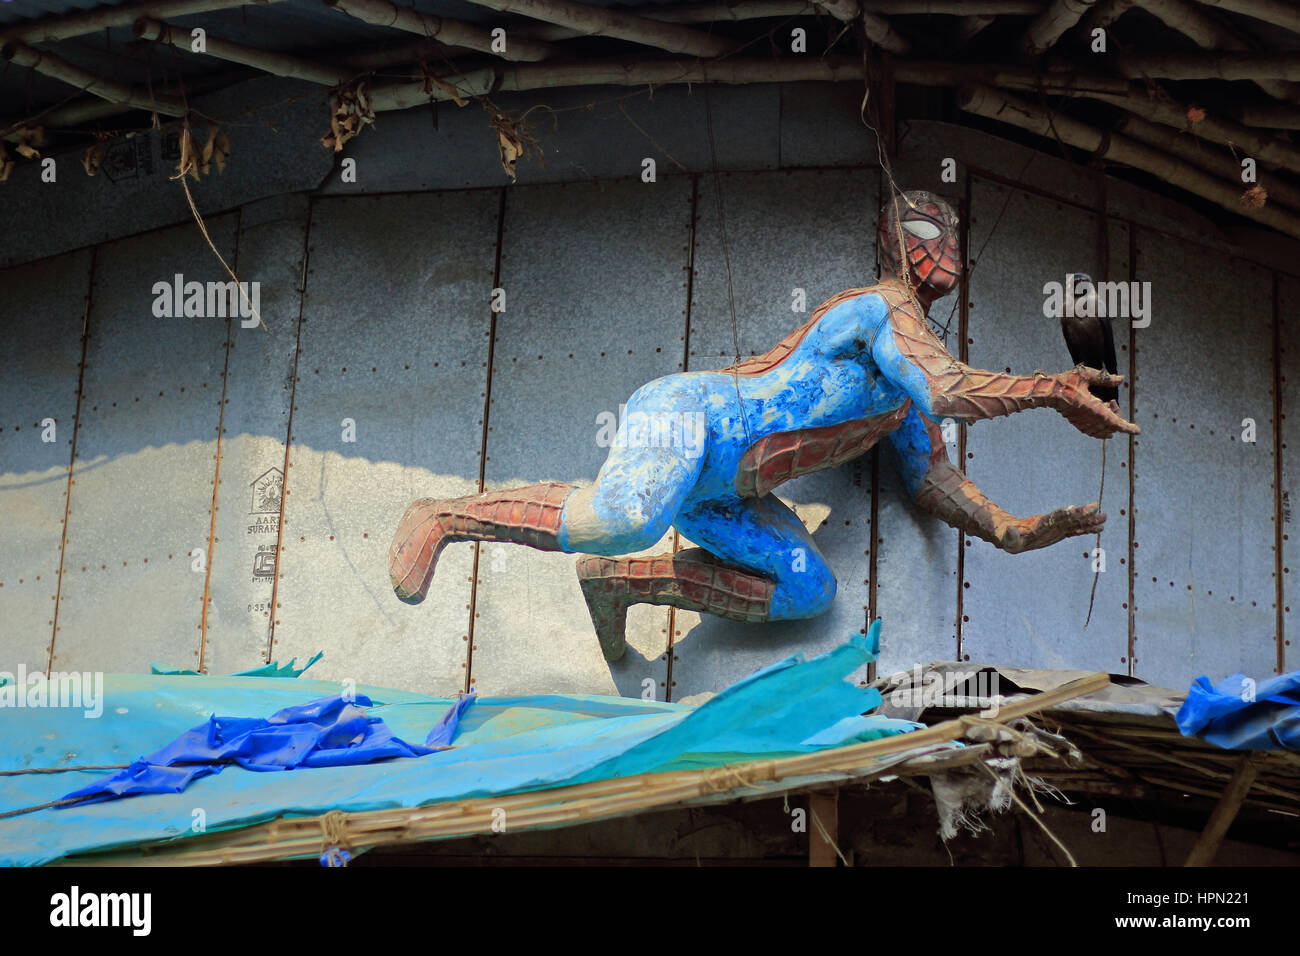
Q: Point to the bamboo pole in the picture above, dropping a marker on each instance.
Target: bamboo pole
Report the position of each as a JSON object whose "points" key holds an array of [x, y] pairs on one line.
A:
{"points": [[1105, 13], [1265, 149], [1207, 844], [707, 11], [730, 71], [60, 69], [1207, 32], [66, 26], [593, 21], [281, 64], [1274, 115], [1212, 66], [823, 827], [1059, 16], [1209, 156], [452, 32], [993, 104], [1276, 12], [956, 8]]}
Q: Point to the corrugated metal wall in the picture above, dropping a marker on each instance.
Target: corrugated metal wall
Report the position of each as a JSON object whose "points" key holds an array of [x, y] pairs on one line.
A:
{"points": [[386, 375]]}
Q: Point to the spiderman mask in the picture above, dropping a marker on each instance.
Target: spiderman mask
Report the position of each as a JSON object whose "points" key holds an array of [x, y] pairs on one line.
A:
{"points": [[919, 243]]}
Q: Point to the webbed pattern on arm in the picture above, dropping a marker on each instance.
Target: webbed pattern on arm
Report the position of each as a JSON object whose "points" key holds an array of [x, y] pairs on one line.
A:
{"points": [[941, 386]]}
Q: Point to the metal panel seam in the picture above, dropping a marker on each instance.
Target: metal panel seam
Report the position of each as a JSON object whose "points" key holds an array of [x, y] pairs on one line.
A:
{"points": [[72, 460]]}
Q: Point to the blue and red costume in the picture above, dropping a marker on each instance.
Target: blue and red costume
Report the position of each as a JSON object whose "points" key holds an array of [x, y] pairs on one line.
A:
{"points": [[702, 452]]}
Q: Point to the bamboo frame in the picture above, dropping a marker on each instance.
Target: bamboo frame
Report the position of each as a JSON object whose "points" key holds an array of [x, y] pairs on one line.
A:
{"points": [[67, 26], [280, 64], [50, 65], [593, 21], [1207, 844], [730, 71], [1191, 21], [1276, 12], [1209, 156], [1213, 66], [1051, 24], [451, 32], [1274, 115], [584, 803], [1166, 110], [993, 104]]}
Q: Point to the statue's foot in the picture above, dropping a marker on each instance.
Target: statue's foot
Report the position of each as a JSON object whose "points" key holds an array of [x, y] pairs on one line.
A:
{"points": [[413, 554], [693, 580], [529, 515]]}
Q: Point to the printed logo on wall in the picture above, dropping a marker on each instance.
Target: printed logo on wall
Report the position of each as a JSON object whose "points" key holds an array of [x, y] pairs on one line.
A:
{"points": [[267, 489]]}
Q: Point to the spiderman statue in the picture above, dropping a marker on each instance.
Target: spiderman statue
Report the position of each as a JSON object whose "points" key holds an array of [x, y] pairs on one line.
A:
{"points": [[865, 366]]}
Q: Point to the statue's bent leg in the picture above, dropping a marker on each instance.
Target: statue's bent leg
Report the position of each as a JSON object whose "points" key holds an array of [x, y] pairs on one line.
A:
{"points": [[528, 515], [691, 579], [629, 507], [761, 565]]}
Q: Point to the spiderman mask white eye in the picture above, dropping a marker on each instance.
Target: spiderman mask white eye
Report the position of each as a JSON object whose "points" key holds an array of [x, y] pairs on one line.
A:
{"points": [[922, 228]]}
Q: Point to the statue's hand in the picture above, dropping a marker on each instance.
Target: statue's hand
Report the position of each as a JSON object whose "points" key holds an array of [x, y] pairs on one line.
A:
{"points": [[1039, 531], [1084, 410]]}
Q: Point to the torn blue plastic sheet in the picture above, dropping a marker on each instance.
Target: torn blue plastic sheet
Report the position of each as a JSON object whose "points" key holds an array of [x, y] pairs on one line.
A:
{"points": [[273, 669], [330, 732], [1240, 714], [501, 746]]}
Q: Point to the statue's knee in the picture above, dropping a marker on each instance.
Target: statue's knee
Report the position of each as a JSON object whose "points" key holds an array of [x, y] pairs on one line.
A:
{"points": [[804, 593]]}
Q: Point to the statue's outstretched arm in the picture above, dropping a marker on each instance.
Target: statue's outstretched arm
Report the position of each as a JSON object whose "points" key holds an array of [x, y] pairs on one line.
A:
{"points": [[913, 357], [942, 489]]}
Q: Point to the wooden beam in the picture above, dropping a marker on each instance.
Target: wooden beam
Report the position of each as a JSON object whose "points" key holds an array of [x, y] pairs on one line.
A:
{"points": [[1049, 26], [68, 25], [1207, 844], [1212, 157], [50, 65], [451, 32], [996, 105], [1192, 22], [732, 70], [823, 827], [1162, 108], [595, 21], [1212, 66], [1275, 115], [281, 64], [1276, 12]]}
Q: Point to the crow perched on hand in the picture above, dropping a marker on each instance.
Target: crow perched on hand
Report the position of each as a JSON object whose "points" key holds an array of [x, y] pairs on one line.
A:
{"points": [[1088, 335]]}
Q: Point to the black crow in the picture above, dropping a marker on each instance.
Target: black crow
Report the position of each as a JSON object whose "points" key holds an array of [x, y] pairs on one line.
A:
{"points": [[1088, 335]]}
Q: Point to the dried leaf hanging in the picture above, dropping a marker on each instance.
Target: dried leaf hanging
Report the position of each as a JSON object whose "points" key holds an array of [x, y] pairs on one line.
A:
{"points": [[29, 138], [216, 149], [350, 111], [510, 139], [93, 157], [189, 161], [6, 164]]}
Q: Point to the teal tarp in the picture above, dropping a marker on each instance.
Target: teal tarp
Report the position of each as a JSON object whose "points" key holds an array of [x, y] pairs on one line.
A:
{"points": [[504, 745]]}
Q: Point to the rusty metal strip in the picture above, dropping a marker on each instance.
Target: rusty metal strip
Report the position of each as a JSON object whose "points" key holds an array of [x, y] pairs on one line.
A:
{"points": [[1132, 453], [216, 474], [482, 456], [288, 434], [72, 460], [1278, 514], [686, 367], [963, 355]]}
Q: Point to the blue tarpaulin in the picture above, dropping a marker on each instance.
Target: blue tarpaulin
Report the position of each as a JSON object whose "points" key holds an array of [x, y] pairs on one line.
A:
{"points": [[501, 745], [1239, 714]]}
